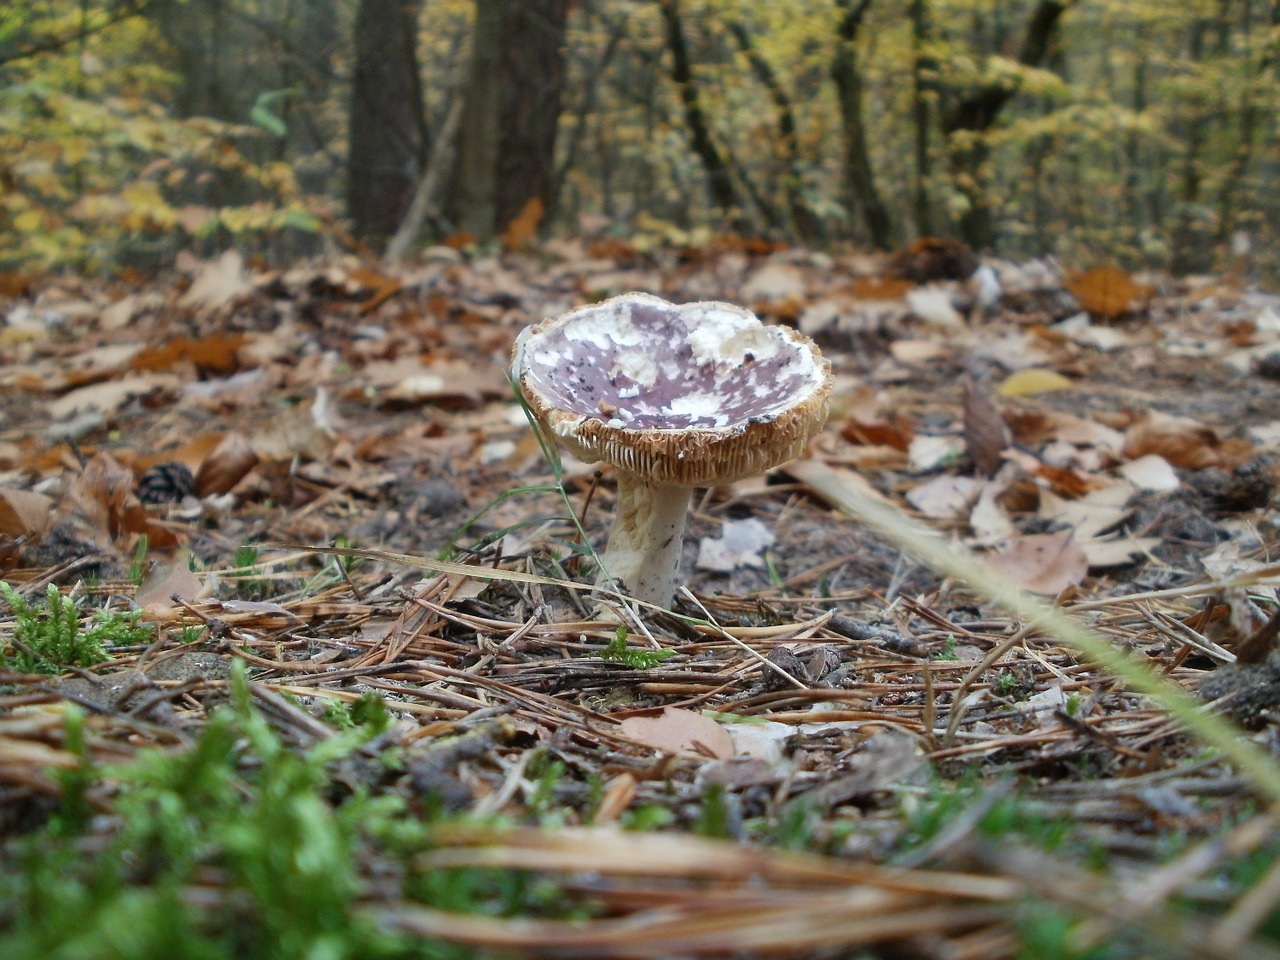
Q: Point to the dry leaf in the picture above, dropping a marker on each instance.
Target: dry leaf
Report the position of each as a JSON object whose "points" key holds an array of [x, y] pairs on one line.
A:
{"points": [[1151, 472], [928, 451], [107, 397], [225, 466], [945, 497], [164, 581], [676, 730], [23, 513], [985, 432], [1096, 511], [739, 545], [1045, 563], [219, 283], [933, 306], [523, 228], [1183, 442], [881, 288], [1022, 383], [1108, 291]]}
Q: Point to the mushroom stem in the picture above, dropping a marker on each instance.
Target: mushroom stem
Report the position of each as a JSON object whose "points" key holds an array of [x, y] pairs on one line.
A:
{"points": [[648, 530]]}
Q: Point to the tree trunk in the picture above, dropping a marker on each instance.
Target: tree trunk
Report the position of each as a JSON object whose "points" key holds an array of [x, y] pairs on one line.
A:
{"points": [[475, 195], [387, 128], [532, 81], [506, 141], [804, 223], [719, 181], [966, 120], [860, 186], [922, 69]]}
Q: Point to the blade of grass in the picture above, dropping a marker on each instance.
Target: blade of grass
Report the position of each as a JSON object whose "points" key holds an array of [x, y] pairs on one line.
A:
{"points": [[952, 560]]}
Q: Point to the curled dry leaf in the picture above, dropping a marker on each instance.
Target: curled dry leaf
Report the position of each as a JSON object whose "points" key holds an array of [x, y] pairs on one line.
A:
{"points": [[225, 466], [1184, 443], [986, 434]]}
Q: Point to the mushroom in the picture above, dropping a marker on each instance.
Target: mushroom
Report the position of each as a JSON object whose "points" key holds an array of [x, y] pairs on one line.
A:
{"points": [[674, 397]]}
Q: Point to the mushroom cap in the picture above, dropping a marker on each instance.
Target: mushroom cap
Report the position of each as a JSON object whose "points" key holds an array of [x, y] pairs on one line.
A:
{"points": [[688, 395]]}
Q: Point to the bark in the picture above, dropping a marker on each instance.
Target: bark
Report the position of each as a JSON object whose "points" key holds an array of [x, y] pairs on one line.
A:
{"points": [[475, 195], [861, 193], [922, 67], [388, 139], [966, 119], [532, 83], [719, 180], [506, 138], [1251, 122]]}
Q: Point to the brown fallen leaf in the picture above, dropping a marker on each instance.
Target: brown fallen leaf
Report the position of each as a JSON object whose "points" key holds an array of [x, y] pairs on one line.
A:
{"points": [[1045, 563], [225, 466], [1184, 443], [1108, 291], [676, 730], [985, 432]]}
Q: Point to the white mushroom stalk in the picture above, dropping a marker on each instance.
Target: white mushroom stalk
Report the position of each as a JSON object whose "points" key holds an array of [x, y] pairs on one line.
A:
{"points": [[675, 397]]}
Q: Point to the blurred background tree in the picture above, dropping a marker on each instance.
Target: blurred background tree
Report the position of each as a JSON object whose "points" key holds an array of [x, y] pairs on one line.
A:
{"points": [[1137, 131]]}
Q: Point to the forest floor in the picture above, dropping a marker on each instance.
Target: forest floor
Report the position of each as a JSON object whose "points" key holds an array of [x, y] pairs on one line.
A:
{"points": [[841, 746]]}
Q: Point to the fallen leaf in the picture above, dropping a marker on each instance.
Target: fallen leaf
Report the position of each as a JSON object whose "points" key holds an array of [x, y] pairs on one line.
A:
{"points": [[23, 513], [225, 466], [1089, 515], [988, 522], [1151, 472], [739, 545], [1045, 563], [986, 434], [1108, 291], [523, 227], [1183, 442], [1116, 551], [167, 579], [107, 397], [219, 283], [929, 451], [945, 497], [676, 730], [1023, 383], [933, 306]]}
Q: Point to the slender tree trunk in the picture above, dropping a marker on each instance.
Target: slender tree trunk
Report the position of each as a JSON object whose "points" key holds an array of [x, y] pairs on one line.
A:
{"points": [[966, 120], [474, 204], [719, 181], [804, 223], [532, 83], [861, 193], [1251, 116], [922, 69], [1190, 248], [388, 139], [506, 138]]}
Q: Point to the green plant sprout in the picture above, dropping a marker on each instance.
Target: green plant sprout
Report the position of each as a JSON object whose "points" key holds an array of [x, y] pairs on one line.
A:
{"points": [[138, 567], [51, 638], [617, 651]]}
